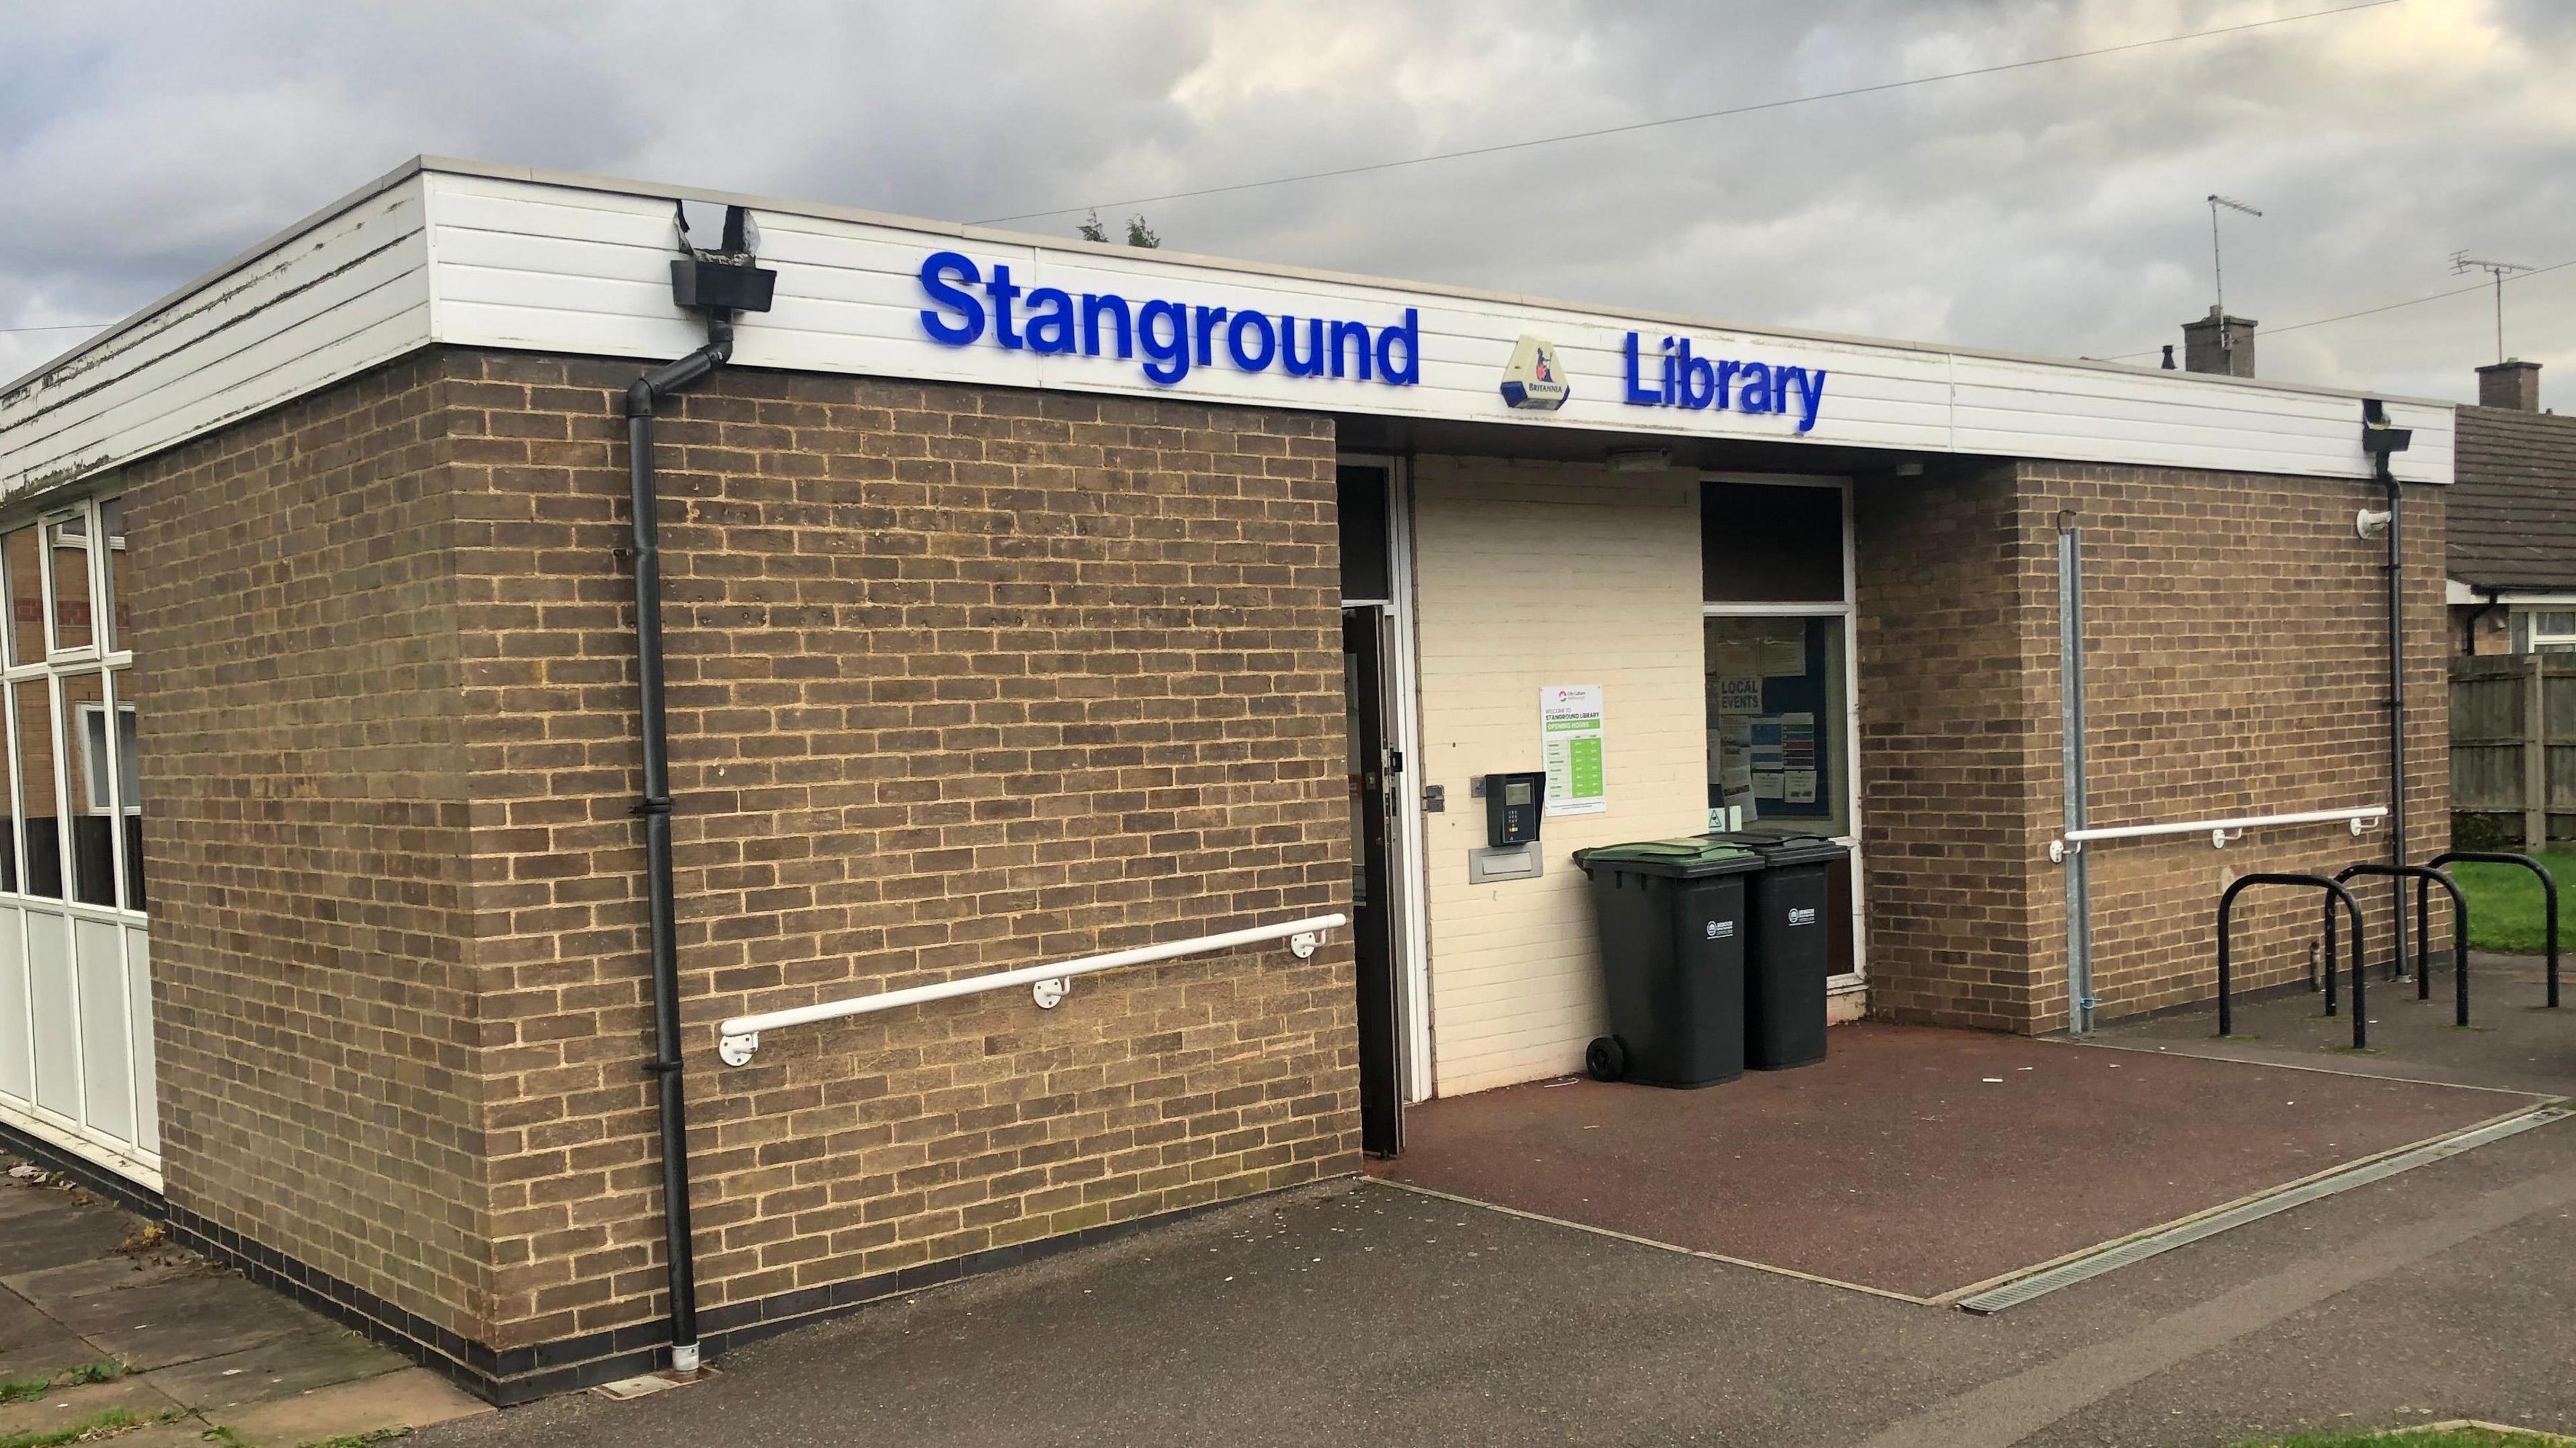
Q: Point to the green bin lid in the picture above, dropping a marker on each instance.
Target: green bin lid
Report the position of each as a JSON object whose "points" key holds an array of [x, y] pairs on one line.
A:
{"points": [[1676, 854]]}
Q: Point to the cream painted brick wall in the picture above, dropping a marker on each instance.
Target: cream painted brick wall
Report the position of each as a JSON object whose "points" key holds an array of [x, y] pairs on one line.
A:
{"points": [[1528, 575]]}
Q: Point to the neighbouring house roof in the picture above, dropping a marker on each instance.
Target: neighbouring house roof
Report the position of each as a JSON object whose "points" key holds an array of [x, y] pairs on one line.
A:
{"points": [[2511, 511]]}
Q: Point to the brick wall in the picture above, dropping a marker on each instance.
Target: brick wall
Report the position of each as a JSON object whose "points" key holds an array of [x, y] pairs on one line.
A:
{"points": [[1957, 742], [960, 681], [314, 989], [2235, 633], [1614, 600], [2237, 636]]}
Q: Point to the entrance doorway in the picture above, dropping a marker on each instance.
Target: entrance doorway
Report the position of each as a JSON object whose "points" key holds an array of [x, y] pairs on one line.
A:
{"points": [[1386, 831], [1372, 895]]}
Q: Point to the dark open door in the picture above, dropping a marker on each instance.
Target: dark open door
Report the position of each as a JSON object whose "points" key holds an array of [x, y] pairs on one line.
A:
{"points": [[1372, 933]]}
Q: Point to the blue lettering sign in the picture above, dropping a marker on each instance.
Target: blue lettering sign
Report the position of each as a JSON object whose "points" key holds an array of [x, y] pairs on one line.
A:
{"points": [[1681, 379], [1171, 337]]}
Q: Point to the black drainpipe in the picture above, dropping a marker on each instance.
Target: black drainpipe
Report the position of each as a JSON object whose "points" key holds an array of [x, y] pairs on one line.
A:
{"points": [[2382, 442], [717, 284], [2469, 631]]}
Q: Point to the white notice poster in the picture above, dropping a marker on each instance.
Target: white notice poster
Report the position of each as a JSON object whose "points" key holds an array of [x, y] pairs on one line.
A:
{"points": [[1569, 721]]}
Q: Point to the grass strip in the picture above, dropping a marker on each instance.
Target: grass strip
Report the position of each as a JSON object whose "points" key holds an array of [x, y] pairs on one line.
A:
{"points": [[357, 1440], [106, 1424], [2507, 909], [29, 1389]]}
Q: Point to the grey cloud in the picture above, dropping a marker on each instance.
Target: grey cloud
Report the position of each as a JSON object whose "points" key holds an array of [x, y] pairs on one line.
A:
{"points": [[2054, 209]]}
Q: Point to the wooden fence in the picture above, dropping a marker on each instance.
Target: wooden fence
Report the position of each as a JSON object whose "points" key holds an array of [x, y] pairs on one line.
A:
{"points": [[2513, 744]]}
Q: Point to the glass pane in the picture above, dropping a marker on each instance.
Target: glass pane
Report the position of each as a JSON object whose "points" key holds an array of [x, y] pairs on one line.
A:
{"points": [[1361, 506], [1778, 724], [38, 829], [1770, 543], [26, 597], [129, 796], [86, 760], [111, 525], [69, 540]]}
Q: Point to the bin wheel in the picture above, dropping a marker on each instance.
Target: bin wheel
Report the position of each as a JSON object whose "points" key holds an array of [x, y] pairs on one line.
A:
{"points": [[1605, 1058]]}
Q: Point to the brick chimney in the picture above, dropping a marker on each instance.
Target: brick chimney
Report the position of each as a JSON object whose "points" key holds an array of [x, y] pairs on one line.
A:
{"points": [[2220, 344], [2514, 384]]}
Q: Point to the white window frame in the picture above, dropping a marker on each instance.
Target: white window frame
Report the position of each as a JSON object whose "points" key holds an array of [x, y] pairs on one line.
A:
{"points": [[106, 796], [2533, 640], [1858, 977], [109, 664]]}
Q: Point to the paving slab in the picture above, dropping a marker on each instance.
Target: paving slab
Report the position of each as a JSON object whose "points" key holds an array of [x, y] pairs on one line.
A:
{"points": [[186, 1432], [20, 1198], [1367, 1316], [60, 1232], [68, 1405], [2514, 1039], [1915, 1160], [183, 1320], [45, 1351], [409, 1398], [114, 1273], [283, 1367], [22, 1322]]}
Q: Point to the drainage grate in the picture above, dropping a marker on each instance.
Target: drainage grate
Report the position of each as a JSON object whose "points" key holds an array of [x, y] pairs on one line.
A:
{"points": [[2066, 1274]]}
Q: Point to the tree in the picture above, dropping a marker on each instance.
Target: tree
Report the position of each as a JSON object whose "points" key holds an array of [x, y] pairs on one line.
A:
{"points": [[1139, 234], [1092, 230]]}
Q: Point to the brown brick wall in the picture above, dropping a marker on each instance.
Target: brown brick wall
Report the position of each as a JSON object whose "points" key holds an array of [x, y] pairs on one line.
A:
{"points": [[2235, 634], [302, 753], [961, 681], [1956, 744]]}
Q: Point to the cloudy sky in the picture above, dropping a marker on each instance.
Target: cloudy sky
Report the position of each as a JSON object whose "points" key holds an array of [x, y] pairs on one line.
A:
{"points": [[2053, 209]]}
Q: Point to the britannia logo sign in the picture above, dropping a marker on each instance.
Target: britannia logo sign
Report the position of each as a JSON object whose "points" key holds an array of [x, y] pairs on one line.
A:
{"points": [[1534, 382]]}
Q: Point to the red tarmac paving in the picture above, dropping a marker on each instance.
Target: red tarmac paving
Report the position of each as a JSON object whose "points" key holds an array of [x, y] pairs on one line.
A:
{"points": [[1915, 1160]]}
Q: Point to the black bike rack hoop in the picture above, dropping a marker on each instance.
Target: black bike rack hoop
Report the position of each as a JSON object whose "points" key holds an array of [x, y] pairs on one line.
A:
{"points": [[2334, 891], [2548, 891], [2424, 875]]}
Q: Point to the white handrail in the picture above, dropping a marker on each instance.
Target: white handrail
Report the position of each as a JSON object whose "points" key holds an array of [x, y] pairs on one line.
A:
{"points": [[2359, 817], [739, 1037]]}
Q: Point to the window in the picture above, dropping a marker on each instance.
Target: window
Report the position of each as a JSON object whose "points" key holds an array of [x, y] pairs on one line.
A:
{"points": [[67, 545], [2551, 631], [94, 758], [1778, 756], [76, 832], [1777, 641], [1770, 543], [1775, 628]]}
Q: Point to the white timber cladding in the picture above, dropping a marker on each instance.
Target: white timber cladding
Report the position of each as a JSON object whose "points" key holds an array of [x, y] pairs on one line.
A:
{"points": [[1530, 575], [343, 293], [457, 252]]}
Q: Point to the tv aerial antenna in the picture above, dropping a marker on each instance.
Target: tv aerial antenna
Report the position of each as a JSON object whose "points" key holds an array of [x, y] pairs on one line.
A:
{"points": [[2462, 262], [2217, 273]]}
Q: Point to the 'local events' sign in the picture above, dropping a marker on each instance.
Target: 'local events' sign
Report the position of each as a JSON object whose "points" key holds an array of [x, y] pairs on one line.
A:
{"points": [[1569, 722], [972, 304]]}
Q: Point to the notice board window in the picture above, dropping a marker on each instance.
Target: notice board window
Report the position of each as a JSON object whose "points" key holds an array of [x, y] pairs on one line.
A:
{"points": [[1779, 738], [1771, 543]]}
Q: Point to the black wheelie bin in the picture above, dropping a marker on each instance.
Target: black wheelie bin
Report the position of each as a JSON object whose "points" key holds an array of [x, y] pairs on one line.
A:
{"points": [[1672, 960], [1785, 957]]}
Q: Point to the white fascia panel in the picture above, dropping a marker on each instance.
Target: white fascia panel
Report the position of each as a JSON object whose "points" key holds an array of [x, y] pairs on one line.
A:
{"points": [[580, 266], [347, 290], [479, 256]]}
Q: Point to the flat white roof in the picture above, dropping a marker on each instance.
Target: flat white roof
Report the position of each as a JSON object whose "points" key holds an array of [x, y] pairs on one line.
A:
{"points": [[461, 253]]}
